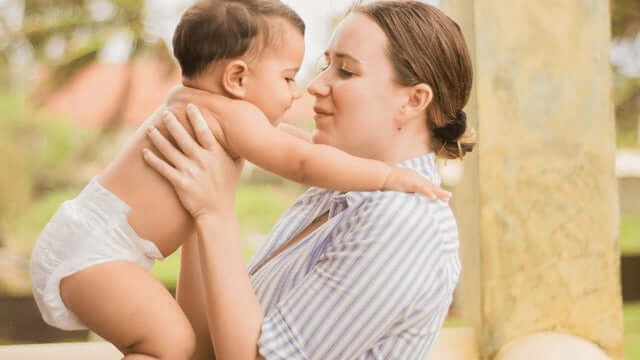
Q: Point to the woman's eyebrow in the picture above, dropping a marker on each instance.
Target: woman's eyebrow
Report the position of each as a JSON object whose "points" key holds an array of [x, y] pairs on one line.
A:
{"points": [[342, 55]]}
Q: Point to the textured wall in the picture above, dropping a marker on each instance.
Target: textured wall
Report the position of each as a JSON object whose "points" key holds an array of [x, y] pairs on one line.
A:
{"points": [[538, 204]]}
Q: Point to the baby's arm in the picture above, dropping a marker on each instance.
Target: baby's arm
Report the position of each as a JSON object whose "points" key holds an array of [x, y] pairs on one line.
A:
{"points": [[250, 135], [247, 133], [299, 133]]}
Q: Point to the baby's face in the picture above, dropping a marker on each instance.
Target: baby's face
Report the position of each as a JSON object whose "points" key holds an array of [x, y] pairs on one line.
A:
{"points": [[271, 85]]}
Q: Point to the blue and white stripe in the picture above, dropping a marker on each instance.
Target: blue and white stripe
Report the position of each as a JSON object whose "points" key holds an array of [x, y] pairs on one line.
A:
{"points": [[375, 281]]}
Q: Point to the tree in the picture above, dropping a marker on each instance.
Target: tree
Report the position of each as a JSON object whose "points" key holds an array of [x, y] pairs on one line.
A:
{"points": [[82, 29], [625, 25]]}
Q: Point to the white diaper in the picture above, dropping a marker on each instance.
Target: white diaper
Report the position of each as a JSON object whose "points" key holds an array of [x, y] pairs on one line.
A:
{"points": [[88, 230]]}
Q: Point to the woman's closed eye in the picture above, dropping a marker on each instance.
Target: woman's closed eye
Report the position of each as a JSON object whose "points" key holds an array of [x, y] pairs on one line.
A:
{"points": [[344, 73], [323, 64]]}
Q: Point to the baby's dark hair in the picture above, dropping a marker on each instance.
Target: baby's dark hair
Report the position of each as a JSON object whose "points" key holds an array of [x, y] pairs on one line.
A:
{"points": [[214, 30]]}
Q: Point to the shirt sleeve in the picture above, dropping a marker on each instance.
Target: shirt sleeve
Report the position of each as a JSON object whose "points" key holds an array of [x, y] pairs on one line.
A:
{"points": [[382, 258]]}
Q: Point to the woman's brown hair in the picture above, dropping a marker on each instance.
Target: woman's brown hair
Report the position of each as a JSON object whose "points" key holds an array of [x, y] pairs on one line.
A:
{"points": [[426, 46]]}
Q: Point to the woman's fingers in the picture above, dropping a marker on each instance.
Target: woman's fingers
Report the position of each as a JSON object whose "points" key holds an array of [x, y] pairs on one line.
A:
{"points": [[161, 166], [200, 127], [185, 142], [166, 148]]}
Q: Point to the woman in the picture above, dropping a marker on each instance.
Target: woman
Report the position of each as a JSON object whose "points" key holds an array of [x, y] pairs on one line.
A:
{"points": [[354, 275]]}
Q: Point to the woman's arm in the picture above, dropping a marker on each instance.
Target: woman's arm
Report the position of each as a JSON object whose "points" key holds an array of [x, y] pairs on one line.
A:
{"points": [[236, 317], [205, 178], [190, 295]]}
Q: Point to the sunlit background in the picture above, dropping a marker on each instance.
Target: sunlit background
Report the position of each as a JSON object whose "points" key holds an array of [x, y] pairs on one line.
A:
{"points": [[78, 76]]}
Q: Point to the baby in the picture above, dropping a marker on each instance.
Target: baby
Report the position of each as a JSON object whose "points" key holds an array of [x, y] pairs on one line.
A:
{"points": [[90, 265]]}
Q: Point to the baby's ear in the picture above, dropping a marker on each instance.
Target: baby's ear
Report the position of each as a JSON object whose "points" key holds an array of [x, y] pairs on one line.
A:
{"points": [[234, 78]]}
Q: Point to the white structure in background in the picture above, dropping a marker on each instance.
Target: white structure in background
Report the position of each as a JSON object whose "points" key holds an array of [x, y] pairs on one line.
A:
{"points": [[625, 54], [628, 163], [450, 172]]}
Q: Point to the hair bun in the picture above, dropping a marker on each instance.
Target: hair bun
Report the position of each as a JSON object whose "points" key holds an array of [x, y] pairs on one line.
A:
{"points": [[461, 116], [454, 129]]}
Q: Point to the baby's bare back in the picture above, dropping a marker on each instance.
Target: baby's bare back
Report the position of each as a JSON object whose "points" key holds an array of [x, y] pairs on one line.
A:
{"points": [[156, 214]]}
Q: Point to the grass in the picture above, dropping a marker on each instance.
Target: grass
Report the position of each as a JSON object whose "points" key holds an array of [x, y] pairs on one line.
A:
{"points": [[632, 331], [258, 207], [34, 219], [630, 234], [167, 270]]}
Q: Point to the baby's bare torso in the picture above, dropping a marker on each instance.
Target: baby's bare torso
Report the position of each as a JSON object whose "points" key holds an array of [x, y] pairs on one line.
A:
{"points": [[156, 213]]}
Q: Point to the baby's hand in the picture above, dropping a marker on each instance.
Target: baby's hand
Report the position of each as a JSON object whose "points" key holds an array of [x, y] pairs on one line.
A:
{"points": [[407, 180]]}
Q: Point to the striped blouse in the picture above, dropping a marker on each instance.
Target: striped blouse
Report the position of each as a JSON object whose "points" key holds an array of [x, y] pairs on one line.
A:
{"points": [[374, 282]]}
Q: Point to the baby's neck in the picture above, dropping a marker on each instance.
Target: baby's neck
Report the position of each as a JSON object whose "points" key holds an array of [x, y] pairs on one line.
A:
{"points": [[201, 83]]}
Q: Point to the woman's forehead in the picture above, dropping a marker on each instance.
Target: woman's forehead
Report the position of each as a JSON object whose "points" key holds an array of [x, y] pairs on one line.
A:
{"points": [[359, 37]]}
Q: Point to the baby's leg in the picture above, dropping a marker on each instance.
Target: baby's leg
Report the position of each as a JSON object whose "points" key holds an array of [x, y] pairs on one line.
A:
{"points": [[124, 304]]}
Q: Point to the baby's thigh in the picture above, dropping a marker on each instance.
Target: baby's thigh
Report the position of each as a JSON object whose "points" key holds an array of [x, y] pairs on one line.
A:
{"points": [[126, 305]]}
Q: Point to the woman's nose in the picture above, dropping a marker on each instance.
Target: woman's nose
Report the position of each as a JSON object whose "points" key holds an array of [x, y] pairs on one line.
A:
{"points": [[319, 87]]}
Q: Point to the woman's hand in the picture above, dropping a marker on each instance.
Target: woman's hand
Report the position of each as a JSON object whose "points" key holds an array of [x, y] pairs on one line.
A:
{"points": [[220, 107], [407, 180], [202, 173]]}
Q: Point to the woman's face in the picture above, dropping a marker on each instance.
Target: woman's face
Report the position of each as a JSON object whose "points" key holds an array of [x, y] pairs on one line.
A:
{"points": [[356, 97]]}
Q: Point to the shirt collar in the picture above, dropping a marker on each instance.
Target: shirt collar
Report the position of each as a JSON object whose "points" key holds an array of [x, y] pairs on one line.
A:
{"points": [[424, 165]]}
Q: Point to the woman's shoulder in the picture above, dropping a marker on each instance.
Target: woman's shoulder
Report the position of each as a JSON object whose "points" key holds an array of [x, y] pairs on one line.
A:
{"points": [[388, 198], [399, 207]]}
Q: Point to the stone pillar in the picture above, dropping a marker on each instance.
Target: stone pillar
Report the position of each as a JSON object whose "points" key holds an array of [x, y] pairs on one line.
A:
{"points": [[537, 206]]}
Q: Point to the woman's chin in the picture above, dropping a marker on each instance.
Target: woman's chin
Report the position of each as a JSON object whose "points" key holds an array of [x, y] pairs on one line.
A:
{"points": [[319, 137]]}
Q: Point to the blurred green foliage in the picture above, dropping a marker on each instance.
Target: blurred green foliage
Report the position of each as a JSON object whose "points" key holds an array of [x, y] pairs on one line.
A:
{"points": [[258, 207], [631, 331], [80, 33], [41, 152], [625, 18], [630, 235], [625, 25], [83, 32]]}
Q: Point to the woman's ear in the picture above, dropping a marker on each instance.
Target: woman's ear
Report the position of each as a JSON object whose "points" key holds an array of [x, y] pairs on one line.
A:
{"points": [[418, 99], [235, 77]]}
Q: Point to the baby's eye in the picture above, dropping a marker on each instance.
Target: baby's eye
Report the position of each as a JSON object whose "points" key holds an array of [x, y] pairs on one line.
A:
{"points": [[290, 80]]}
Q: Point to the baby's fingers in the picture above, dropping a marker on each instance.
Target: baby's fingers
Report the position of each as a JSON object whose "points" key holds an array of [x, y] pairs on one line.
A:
{"points": [[426, 191], [441, 193]]}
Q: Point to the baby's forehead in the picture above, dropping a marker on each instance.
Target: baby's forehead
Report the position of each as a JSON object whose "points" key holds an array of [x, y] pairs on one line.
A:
{"points": [[281, 42], [278, 32]]}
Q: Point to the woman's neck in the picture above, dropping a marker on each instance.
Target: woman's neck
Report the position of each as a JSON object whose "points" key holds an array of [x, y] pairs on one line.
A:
{"points": [[408, 143]]}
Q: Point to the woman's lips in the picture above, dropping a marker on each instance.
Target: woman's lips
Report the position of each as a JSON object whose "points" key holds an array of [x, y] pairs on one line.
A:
{"points": [[320, 113]]}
